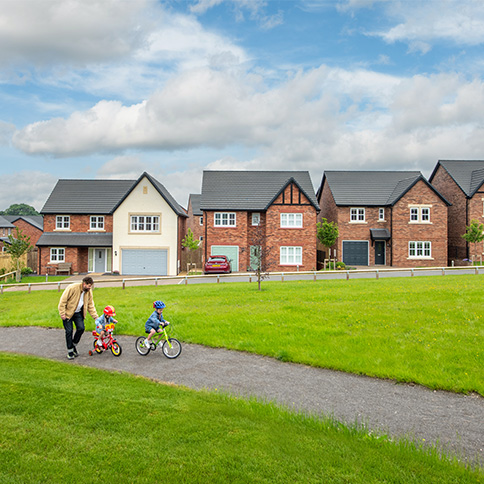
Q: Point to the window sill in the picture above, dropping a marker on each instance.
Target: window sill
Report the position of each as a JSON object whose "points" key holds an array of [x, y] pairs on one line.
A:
{"points": [[413, 222], [358, 222], [420, 258]]}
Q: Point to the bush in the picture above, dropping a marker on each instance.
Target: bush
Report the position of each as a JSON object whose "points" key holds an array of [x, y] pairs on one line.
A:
{"points": [[340, 265], [26, 271]]}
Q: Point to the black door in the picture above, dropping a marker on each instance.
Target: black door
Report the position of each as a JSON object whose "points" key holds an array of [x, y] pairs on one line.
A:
{"points": [[380, 252]]}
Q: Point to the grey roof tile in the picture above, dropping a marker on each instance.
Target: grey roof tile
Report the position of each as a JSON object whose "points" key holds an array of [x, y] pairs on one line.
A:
{"points": [[369, 188], [5, 223], [468, 174], [250, 190], [195, 199], [86, 196], [35, 220], [76, 239]]}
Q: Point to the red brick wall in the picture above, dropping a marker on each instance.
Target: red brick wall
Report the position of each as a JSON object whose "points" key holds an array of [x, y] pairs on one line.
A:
{"points": [[456, 214], [78, 223], [476, 212], [28, 229], [435, 232]]}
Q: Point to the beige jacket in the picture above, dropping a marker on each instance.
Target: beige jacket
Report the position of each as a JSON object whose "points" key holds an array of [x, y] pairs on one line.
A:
{"points": [[70, 299]]}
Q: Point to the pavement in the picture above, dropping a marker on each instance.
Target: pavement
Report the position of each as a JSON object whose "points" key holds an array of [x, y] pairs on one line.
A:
{"points": [[450, 422]]}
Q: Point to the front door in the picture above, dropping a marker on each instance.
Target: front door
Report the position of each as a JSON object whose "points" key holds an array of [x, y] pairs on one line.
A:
{"points": [[99, 260], [379, 252]]}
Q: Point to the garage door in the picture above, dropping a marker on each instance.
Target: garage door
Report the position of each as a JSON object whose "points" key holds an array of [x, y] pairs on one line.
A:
{"points": [[231, 251], [144, 262], [355, 252]]}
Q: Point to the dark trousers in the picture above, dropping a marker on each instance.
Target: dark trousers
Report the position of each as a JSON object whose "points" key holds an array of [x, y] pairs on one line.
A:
{"points": [[78, 321]]}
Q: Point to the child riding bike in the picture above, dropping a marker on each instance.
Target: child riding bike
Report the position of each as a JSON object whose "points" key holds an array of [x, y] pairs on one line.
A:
{"points": [[102, 321], [154, 322]]}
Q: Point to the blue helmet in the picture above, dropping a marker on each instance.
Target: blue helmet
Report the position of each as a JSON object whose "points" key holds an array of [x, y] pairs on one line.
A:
{"points": [[159, 305]]}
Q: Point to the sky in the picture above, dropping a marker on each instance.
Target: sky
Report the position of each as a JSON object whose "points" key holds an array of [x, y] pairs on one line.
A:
{"points": [[109, 89]]}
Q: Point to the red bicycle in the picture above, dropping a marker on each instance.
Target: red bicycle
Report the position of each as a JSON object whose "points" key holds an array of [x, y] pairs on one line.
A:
{"points": [[108, 342]]}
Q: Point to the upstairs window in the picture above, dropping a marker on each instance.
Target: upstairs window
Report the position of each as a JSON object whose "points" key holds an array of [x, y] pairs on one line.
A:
{"points": [[255, 218], [291, 220], [201, 220], [357, 214], [97, 223], [381, 214], [224, 219], [62, 222], [419, 214], [145, 223]]}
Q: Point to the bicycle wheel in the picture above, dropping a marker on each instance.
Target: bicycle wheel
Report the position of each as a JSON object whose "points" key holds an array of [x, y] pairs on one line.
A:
{"points": [[174, 350], [116, 349], [97, 348], [140, 346]]}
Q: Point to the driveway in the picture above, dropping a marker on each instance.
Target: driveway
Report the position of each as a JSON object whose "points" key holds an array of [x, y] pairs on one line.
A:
{"points": [[453, 422]]}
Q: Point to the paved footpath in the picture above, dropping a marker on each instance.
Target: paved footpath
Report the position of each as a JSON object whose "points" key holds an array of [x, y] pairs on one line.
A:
{"points": [[450, 421]]}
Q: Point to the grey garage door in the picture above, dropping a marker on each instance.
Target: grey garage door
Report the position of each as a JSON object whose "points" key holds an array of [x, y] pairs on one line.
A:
{"points": [[144, 262], [355, 252]]}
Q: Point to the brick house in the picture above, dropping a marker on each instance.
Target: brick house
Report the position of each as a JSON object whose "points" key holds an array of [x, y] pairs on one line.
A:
{"points": [[6, 229], [31, 225], [393, 218], [126, 226], [268, 214], [195, 223], [461, 182]]}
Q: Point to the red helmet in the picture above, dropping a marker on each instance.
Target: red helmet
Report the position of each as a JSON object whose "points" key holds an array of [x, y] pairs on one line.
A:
{"points": [[109, 311]]}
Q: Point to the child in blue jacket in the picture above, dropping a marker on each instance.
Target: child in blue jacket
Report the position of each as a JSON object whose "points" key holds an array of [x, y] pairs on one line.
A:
{"points": [[155, 323]]}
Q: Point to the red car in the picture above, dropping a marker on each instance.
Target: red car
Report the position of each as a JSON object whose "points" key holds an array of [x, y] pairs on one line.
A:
{"points": [[217, 263]]}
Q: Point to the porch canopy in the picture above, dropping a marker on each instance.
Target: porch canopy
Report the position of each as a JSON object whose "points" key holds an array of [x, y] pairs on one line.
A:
{"points": [[76, 239], [380, 234]]}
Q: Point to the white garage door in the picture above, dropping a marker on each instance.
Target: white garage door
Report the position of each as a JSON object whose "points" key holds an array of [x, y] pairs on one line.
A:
{"points": [[232, 253], [144, 262]]}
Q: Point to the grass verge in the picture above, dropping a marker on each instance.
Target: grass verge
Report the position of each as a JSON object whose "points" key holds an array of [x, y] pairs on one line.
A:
{"points": [[65, 423], [427, 330]]}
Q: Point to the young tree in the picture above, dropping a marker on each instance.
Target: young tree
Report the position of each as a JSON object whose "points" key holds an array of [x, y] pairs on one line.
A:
{"points": [[17, 246], [327, 232], [474, 233], [20, 209], [260, 250], [190, 243]]}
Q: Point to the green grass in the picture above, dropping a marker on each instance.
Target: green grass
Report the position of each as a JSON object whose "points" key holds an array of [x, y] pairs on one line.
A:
{"points": [[32, 279], [427, 330], [63, 423]]}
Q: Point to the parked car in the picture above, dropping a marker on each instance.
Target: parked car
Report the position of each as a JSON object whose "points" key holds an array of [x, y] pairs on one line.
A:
{"points": [[217, 264]]}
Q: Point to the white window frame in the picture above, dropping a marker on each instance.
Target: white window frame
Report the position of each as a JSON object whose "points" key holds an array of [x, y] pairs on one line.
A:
{"points": [[255, 219], [419, 249], [224, 219], [141, 223], [62, 222], [291, 220], [96, 222], [290, 256], [381, 214], [57, 254], [357, 214], [420, 214], [201, 220]]}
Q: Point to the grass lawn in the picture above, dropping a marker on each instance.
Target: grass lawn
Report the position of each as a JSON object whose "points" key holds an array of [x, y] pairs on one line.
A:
{"points": [[32, 279], [65, 423], [427, 330]]}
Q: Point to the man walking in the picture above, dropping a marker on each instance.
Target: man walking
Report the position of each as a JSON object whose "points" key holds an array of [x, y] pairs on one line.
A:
{"points": [[74, 303]]}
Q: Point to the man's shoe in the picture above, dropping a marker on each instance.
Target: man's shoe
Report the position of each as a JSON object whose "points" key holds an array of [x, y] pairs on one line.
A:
{"points": [[70, 356], [74, 352]]}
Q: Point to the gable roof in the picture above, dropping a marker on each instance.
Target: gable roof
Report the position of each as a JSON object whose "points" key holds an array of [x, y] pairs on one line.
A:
{"points": [[35, 220], [4, 223], [467, 174], [160, 189], [250, 190], [371, 188], [195, 199], [86, 196], [98, 196]]}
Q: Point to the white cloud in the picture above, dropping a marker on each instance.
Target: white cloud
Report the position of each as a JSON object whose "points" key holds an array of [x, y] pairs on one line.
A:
{"points": [[6, 132], [422, 24], [30, 187]]}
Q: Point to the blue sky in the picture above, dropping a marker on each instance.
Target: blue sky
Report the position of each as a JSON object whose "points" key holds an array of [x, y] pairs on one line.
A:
{"points": [[110, 89]]}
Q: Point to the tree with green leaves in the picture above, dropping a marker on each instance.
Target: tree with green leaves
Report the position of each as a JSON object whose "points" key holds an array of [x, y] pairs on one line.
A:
{"points": [[327, 232], [17, 246], [474, 233], [20, 209], [190, 243]]}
